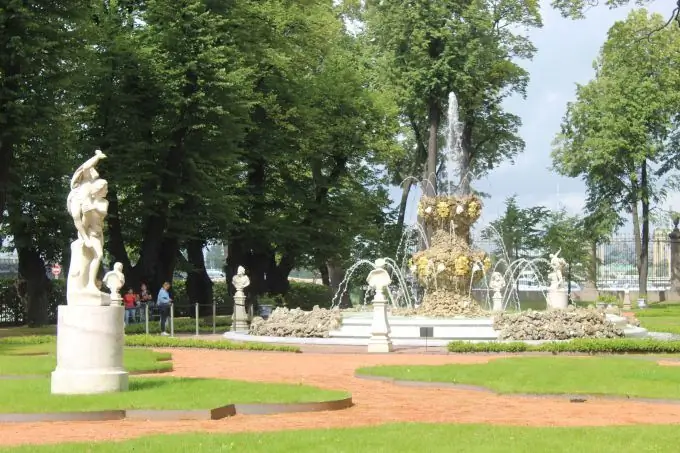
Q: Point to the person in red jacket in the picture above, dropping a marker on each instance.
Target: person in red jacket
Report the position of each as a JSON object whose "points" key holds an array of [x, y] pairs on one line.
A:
{"points": [[130, 301]]}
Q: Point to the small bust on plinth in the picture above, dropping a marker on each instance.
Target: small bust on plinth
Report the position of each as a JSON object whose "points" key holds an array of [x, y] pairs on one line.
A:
{"points": [[114, 280], [379, 279]]}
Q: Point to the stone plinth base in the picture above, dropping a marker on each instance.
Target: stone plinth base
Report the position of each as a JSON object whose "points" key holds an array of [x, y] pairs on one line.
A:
{"points": [[557, 299], [90, 342], [239, 320], [380, 328]]}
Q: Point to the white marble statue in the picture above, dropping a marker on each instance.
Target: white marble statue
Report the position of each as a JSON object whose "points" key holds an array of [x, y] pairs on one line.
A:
{"points": [[557, 264], [497, 282], [379, 278], [240, 318], [240, 280], [114, 280], [88, 207]]}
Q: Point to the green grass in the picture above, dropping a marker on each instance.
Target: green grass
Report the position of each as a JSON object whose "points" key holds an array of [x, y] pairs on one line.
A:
{"points": [[398, 438], [27, 331], [580, 345], [152, 341], [551, 375], [15, 361], [33, 395], [660, 318]]}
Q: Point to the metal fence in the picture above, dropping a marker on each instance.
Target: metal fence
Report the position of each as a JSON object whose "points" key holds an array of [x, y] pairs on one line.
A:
{"points": [[617, 261]]}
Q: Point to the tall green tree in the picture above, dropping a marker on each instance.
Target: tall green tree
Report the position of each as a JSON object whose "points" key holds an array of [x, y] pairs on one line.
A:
{"points": [[427, 49], [517, 232], [614, 135]]}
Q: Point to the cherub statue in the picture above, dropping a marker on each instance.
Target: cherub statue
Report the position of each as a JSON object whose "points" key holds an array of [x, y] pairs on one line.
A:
{"points": [[114, 280], [379, 278], [497, 282]]}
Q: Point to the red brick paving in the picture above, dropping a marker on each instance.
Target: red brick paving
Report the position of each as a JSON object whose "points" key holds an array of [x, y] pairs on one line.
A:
{"points": [[375, 402]]}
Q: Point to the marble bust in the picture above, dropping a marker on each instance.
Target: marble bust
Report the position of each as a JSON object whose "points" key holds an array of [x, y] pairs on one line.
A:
{"points": [[240, 280], [114, 280], [379, 278]]}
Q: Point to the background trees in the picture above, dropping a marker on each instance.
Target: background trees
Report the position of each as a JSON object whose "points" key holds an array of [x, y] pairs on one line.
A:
{"points": [[615, 136]]}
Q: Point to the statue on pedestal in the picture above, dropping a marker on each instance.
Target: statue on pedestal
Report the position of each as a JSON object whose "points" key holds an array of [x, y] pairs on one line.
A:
{"points": [[558, 264], [379, 278], [497, 284], [240, 318], [88, 207], [114, 280]]}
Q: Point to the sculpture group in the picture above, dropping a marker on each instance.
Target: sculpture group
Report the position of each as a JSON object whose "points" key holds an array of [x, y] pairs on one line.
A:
{"points": [[88, 207]]}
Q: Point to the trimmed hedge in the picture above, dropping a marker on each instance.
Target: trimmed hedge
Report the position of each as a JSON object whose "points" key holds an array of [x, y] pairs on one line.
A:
{"points": [[307, 295], [12, 310], [149, 341], [582, 345], [182, 325]]}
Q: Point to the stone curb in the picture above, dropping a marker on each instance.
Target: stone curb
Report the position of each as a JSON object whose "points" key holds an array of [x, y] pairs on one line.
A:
{"points": [[574, 398], [177, 415]]}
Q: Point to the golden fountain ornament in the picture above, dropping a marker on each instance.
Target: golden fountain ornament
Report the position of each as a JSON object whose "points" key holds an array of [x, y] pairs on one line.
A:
{"points": [[449, 267]]}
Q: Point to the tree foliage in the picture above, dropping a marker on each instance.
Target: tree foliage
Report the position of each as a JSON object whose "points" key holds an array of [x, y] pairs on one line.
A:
{"points": [[615, 135]]}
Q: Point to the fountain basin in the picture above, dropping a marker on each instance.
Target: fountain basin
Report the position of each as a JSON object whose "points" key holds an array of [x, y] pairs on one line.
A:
{"points": [[405, 331]]}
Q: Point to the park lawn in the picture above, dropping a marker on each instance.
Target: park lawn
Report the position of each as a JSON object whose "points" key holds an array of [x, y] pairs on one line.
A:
{"points": [[23, 331], [33, 395], [12, 362], [660, 318], [397, 438], [550, 375]]}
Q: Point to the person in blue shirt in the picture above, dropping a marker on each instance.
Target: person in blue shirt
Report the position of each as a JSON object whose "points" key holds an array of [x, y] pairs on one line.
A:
{"points": [[163, 300]]}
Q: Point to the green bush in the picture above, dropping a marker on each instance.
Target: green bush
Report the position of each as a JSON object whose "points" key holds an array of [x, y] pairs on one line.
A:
{"points": [[307, 295], [12, 310], [182, 325], [170, 342], [583, 345], [608, 299], [164, 342], [185, 307]]}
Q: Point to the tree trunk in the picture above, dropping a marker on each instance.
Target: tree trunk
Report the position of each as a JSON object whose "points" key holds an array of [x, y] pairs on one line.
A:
{"points": [[325, 278], [336, 274], [115, 244], [644, 242], [277, 277], [591, 282], [405, 190], [6, 157], [37, 285], [199, 286], [465, 160], [433, 120], [638, 240]]}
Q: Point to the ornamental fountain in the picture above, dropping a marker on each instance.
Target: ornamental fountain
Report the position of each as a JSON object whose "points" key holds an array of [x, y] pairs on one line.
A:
{"points": [[437, 306]]}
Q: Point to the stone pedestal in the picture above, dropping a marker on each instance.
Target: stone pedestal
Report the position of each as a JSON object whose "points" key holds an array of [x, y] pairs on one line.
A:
{"points": [[557, 298], [239, 320], [626, 300], [497, 301], [90, 342], [380, 329]]}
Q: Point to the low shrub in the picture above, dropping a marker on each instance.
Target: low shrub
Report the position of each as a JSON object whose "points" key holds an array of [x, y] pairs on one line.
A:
{"points": [[182, 325], [307, 295], [582, 345], [149, 341], [12, 310], [165, 342]]}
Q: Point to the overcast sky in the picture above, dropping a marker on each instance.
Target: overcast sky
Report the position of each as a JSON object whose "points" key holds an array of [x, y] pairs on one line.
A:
{"points": [[566, 50]]}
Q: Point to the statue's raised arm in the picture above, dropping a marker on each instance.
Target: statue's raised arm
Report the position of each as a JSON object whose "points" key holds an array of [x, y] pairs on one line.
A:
{"points": [[87, 172]]}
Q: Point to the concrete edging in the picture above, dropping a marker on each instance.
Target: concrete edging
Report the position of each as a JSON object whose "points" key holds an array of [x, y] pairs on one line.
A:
{"points": [[217, 413], [574, 398]]}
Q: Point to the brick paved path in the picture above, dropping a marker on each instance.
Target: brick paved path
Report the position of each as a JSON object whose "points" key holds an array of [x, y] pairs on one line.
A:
{"points": [[375, 402]]}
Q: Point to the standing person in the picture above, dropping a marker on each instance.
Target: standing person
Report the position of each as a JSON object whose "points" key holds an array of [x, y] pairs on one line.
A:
{"points": [[130, 300], [145, 298], [164, 302]]}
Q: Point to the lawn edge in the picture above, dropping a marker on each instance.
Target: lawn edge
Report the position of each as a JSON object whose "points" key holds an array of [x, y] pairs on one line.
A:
{"points": [[217, 413]]}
